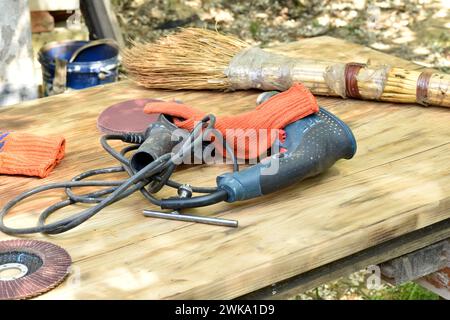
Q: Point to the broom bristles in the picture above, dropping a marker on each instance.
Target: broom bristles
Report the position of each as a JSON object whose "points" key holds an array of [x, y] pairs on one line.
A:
{"points": [[190, 59], [197, 59]]}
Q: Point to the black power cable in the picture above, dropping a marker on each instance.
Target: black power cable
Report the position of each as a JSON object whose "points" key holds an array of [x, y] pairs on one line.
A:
{"points": [[148, 180]]}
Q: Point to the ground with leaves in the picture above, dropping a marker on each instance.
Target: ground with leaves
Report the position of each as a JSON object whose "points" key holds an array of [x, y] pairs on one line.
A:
{"points": [[416, 30]]}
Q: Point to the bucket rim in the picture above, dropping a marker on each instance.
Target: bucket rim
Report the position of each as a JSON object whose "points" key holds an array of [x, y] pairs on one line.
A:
{"points": [[53, 44]]}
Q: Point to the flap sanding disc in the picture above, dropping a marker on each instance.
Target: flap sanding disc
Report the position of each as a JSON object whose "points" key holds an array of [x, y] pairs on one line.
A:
{"points": [[29, 268], [126, 116]]}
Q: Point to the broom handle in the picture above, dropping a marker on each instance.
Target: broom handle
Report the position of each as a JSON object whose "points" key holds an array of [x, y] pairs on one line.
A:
{"points": [[256, 68]]}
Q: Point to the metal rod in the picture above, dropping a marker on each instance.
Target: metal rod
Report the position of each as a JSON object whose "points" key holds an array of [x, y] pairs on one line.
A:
{"points": [[191, 218]]}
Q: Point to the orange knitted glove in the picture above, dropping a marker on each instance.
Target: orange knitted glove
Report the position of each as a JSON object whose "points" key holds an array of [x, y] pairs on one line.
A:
{"points": [[28, 154], [275, 113]]}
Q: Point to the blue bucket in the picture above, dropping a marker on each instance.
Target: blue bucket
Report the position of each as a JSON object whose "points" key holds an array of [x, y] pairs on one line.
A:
{"points": [[92, 66]]}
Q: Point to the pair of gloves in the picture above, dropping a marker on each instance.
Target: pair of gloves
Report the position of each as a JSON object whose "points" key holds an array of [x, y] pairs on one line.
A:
{"points": [[31, 155]]}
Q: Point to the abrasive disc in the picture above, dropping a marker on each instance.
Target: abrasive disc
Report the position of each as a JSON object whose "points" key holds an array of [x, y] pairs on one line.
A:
{"points": [[29, 268], [126, 116]]}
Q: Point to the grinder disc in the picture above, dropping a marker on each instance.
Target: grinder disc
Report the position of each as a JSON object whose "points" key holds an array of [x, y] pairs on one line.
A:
{"points": [[29, 268], [126, 117]]}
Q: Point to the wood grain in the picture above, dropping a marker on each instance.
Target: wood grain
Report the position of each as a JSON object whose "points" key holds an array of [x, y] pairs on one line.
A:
{"points": [[385, 251], [398, 182]]}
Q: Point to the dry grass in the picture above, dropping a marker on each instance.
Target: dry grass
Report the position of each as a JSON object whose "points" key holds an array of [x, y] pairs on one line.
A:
{"points": [[190, 59]]}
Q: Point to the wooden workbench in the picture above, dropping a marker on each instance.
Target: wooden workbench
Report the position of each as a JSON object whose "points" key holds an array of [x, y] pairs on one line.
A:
{"points": [[365, 210]]}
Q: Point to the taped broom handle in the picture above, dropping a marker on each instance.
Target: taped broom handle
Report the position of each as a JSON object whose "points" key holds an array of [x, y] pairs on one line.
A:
{"points": [[257, 68]]}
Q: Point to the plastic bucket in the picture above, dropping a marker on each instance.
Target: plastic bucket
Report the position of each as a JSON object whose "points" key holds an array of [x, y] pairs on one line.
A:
{"points": [[92, 66]]}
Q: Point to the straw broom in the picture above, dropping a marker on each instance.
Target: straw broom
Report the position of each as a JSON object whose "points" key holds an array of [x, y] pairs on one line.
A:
{"points": [[202, 59]]}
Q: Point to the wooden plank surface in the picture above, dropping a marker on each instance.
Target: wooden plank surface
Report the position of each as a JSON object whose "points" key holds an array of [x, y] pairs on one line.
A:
{"points": [[398, 182], [370, 257]]}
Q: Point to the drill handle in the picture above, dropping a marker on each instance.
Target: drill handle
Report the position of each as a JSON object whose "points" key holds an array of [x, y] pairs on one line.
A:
{"points": [[313, 145]]}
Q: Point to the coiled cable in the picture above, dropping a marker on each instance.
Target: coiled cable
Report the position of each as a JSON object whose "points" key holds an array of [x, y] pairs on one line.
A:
{"points": [[154, 176]]}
